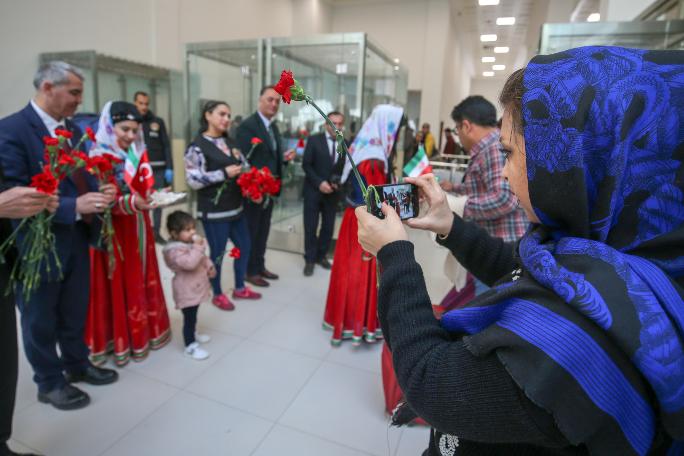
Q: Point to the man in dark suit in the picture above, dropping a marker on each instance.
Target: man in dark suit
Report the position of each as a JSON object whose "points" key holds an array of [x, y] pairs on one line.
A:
{"points": [[56, 311], [15, 203], [323, 167], [269, 154], [158, 152]]}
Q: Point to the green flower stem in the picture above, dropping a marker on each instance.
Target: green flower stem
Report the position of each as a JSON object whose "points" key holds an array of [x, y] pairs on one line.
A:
{"points": [[367, 192]]}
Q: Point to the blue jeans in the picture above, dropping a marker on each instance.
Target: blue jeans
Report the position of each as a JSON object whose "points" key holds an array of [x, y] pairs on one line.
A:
{"points": [[218, 234]]}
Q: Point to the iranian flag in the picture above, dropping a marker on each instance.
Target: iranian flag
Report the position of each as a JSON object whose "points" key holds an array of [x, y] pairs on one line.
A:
{"points": [[419, 164]]}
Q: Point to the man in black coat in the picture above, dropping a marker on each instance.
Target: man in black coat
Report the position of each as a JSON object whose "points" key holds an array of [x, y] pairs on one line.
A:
{"points": [[158, 152], [16, 203], [323, 167], [269, 154]]}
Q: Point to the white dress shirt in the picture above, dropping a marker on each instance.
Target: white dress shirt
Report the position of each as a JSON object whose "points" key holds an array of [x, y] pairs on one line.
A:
{"points": [[50, 123]]}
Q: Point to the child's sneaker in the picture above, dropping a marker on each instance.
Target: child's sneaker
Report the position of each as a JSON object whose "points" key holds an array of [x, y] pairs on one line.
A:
{"points": [[202, 338], [222, 302], [246, 293], [196, 352]]}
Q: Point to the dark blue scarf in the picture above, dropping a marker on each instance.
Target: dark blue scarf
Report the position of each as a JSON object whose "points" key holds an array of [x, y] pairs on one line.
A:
{"points": [[593, 332]]}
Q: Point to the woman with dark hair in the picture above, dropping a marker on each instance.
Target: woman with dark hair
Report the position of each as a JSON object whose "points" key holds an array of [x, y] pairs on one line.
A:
{"points": [[210, 162], [127, 312], [578, 347]]}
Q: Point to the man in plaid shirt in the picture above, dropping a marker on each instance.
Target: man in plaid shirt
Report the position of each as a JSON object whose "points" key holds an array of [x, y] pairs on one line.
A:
{"points": [[490, 201]]}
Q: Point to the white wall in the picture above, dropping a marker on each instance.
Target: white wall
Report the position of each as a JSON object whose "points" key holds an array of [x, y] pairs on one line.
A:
{"points": [[488, 88], [412, 31]]}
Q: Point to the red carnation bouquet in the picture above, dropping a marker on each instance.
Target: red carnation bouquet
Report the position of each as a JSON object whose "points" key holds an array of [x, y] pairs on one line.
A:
{"points": [[102, 167], [245, 167], [257, 184], [38, 249]]}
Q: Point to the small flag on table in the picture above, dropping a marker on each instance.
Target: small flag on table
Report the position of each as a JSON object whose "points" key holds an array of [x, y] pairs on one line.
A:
{"points": [[418, 165]]}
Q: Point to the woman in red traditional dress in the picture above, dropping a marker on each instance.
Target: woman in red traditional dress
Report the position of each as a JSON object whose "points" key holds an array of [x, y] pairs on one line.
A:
{"points": [[127, 315], [351, 307]]}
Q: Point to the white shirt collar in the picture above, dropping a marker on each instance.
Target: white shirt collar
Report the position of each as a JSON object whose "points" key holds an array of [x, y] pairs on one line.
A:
{"points": [[265, 120], [50, 123]]}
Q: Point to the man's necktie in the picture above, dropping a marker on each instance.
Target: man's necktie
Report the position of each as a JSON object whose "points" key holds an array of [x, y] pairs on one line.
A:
{"points": [[271, 134], [332, 151]]}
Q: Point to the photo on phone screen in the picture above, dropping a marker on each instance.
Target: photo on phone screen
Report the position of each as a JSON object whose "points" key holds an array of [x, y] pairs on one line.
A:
{"points": [[402, 197]]}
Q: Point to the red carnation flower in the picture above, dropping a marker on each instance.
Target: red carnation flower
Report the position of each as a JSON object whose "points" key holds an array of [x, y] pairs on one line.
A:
{"points": [[284, 84], [256, 140], [50, 141], [45, 182], [63, 133], [234, 253], [91, 133]]}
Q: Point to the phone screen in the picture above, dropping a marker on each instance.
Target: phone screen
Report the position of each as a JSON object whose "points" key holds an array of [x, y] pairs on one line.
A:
{"points": [[402, 197]]}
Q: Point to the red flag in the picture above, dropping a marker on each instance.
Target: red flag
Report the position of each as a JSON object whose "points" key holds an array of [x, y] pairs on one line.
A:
{"points": [[143, 180]]}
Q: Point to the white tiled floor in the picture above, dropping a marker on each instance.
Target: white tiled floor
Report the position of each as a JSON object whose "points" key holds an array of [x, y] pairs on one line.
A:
{"points": [[273, 385]]}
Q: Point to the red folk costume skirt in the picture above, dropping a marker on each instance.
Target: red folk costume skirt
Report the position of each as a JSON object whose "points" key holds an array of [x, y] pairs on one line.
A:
{"points": [[351, 307], [127, 314]]}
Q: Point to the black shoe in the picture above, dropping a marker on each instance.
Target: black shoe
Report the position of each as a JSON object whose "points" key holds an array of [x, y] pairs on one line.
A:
{"points": [[93, 375], [5, 451], [256, 280], [308, 269], [266, 274], [66, 397], [324, 263]]}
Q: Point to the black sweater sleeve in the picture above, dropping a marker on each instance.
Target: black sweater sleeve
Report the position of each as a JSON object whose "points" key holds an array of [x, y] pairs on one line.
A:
{"points": [[457, 393], [486, 257]]}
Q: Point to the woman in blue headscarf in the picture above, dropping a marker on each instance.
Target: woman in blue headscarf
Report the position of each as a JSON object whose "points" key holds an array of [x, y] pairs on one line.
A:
{"points": [[578, 347]]}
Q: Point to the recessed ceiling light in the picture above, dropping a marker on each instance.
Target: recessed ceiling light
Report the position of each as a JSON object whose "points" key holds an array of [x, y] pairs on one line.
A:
{"points": [[501, 49], [485, 38], [594, 17], [396, 60], [487, 74], [498, 67], [505, 20], [488, 59], [488, 2], [396, 68]]}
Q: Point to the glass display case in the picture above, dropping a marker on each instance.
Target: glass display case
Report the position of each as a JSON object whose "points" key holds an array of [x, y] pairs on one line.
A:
{"points": [[345, 72], [643, 35]]}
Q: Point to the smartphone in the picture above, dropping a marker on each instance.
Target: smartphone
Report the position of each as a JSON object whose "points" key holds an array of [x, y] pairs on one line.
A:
{"points": [[402, 197]]}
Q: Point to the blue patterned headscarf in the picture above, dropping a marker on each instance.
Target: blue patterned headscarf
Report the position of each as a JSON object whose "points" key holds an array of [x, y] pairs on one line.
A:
{"points": [[593, 331]]}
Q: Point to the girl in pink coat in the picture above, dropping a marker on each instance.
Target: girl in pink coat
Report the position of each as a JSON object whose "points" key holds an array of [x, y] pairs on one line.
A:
{"points": [[185, 255]]}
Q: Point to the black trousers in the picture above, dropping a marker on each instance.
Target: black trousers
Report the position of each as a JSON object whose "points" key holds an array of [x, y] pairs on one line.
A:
{"points": [[189, 324], [9, 360], [259, 224], [56, 315], [318, 205]]}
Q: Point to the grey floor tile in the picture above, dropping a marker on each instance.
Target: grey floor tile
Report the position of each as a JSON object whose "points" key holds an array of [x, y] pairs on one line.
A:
{"points": [[365, 356], [298, 330], [191, 425], [286, 441], [346, 406], [115, 410], [257, 378]]}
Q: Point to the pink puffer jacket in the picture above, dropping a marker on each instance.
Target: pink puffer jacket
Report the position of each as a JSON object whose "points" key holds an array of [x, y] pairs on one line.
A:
{"points": [[192, 270]]}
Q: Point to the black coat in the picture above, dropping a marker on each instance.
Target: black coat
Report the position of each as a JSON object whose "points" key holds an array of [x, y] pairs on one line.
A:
{"points": [[317, 163], [263, 154], [157, 141]]}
